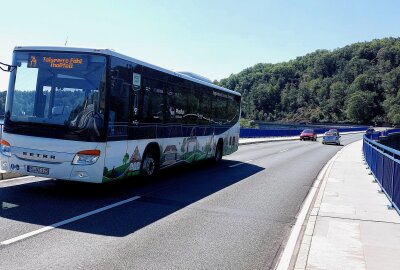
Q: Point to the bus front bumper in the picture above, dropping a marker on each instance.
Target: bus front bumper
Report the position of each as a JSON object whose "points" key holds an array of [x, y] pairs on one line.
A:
{"points": [[63, 171]]}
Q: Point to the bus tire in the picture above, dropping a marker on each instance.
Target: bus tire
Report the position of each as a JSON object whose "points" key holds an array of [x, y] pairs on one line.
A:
{"points": [[218, 152], [150, 163]]}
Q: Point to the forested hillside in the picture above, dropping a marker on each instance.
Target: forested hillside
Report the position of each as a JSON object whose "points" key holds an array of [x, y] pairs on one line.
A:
{"points": [[358, 83]]}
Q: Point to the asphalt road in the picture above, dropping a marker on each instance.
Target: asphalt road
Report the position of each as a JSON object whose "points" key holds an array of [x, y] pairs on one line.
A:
{"points": [[235, 215]]}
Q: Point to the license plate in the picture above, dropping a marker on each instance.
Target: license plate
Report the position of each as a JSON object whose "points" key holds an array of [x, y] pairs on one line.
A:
{"points": [[38, 170]]}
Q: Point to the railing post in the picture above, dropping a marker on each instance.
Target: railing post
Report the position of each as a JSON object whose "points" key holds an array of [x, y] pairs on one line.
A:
{"points": [[383, 172], [392, 195]]}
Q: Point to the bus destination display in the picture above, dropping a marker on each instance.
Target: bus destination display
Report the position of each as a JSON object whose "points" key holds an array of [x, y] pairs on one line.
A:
{"points": [[75, 62]]}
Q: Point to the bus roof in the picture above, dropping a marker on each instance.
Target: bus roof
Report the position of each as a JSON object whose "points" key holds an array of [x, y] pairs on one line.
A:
{"points": [[122, 56]]}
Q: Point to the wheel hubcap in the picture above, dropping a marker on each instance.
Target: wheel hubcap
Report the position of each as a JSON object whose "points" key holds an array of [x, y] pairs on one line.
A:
{"points": [[149, 165]]}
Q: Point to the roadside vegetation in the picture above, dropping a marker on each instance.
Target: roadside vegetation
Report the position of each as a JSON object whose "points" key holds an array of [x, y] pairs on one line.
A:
{"points": [[357, 84]]}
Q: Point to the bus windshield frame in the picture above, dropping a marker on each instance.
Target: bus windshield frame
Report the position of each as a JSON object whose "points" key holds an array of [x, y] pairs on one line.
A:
{"points": [[57, 94]]}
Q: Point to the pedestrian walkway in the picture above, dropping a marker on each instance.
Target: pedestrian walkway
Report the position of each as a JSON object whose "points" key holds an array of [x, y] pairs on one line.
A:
{"points": [[350, 225]]}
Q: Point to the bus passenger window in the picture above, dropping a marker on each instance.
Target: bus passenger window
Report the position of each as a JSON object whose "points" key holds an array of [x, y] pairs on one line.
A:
{"points": [[191, 115], [119, 101], [176, 104], [153, 101]]}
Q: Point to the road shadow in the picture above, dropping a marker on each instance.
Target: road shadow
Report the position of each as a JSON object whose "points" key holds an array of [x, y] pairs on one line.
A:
{"points": [[50, 201]]}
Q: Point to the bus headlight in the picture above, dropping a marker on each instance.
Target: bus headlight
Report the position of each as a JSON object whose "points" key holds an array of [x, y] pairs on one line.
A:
{"points": [[5, 148], [86, 157]]}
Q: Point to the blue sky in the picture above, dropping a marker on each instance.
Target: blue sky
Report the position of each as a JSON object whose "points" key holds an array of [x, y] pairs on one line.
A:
{"points": [[211, 38]]}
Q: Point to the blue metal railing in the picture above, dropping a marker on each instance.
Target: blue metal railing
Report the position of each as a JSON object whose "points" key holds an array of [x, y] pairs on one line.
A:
{"points": [[253, 133], [391, 131], [377, 134], [384, 163]]}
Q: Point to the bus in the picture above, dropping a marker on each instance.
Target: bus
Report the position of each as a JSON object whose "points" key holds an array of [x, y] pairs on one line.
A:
{"points": [[96, 116]]}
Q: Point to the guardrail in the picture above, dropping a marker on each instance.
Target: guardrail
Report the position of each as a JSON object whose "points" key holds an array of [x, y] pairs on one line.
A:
{"points": [[384, 163], [254, 133], [377, 134], [391, 131]]}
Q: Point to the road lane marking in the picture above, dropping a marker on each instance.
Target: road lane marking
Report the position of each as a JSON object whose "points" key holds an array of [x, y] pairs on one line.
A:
{"points": [[241, 163], [7, 205], [283, 151], [64, 222]]}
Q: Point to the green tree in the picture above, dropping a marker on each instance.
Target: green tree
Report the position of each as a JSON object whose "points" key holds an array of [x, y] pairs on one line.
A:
{"points": [[360, 107]]}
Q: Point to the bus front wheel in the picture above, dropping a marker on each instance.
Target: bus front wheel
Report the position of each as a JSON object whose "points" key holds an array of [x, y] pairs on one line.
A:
{"points": [[149, 166]]}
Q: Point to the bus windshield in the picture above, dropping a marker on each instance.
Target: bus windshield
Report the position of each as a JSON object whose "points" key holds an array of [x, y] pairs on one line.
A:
{"points": [[57, 88]]}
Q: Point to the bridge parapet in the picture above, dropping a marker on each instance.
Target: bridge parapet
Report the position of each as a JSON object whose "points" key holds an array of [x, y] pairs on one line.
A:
{"points": [[384, 163]]}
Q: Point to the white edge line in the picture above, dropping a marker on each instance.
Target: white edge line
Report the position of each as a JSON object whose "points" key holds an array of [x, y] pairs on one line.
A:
{"points": [[241, 163], [64, 222], [237, 164], [286, 257]]}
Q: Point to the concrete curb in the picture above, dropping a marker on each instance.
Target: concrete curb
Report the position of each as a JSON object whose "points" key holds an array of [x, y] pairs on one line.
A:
{"points": [[296, 256], [270, 140], [300, 256], [8, 175], [291, 250]]}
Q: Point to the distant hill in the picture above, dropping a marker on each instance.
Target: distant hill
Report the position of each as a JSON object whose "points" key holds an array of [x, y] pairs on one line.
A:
{"points": [[358, 83]]}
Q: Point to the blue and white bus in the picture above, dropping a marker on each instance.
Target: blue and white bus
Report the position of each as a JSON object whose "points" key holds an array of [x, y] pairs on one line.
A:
{"points": [[96, 116]]}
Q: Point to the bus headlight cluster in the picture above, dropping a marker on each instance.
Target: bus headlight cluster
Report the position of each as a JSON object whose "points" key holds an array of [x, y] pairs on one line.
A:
{"points": [[86, 157], [5, 148]]}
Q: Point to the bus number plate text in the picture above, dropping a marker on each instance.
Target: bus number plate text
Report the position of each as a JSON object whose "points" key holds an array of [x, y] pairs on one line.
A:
{"points": [[38, 170]]}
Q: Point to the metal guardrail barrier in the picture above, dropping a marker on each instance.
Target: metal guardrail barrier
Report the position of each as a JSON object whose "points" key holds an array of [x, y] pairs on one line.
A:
{"points": [[384, 163], [391, 131], [254, 133]]}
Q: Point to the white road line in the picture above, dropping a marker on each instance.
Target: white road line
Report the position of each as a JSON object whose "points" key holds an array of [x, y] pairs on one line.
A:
{"points": [[283, 151], [64, 222], [241, 163]]}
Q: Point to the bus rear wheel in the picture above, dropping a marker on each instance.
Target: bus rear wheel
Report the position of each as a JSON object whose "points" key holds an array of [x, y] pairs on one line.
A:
{"points": [[218, 152], [149, 166]]}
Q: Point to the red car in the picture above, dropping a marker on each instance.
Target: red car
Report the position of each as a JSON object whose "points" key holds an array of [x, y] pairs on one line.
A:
{"points": [[308, 134]]}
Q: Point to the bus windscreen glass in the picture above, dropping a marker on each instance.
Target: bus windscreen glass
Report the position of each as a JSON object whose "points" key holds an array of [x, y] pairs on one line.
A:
{"points": [[58, 89]]}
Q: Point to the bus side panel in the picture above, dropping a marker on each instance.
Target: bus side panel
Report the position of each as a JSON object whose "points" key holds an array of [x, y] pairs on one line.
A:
{"points": [[116, 165], [205, 147], [231, 140], [123, 158]]}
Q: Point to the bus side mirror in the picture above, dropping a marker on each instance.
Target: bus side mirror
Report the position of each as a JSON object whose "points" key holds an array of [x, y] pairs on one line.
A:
{"points": [[7, 68]]}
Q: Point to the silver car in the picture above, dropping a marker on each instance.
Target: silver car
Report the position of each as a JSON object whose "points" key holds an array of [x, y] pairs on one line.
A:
{"points": [[331, 138]]}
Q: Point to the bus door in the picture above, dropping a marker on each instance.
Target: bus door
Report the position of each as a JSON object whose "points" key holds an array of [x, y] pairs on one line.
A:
{"points": [[117, 156], [136, 133]]}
